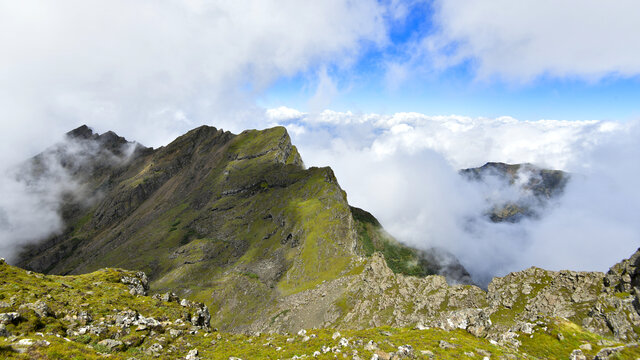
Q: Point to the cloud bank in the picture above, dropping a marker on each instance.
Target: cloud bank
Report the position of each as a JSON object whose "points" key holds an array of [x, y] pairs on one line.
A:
{"points": [[32, 193], [520, 41], [404, 169]]}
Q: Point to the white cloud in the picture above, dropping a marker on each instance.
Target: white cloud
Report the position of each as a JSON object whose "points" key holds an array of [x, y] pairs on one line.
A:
{"points": [[284, 113], [519, 41], [403, 168], [326, 90], [151, 70], [463, 141]]}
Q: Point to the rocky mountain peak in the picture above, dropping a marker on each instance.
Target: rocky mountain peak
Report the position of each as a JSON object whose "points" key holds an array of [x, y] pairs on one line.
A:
{"points": [[81, 132]]}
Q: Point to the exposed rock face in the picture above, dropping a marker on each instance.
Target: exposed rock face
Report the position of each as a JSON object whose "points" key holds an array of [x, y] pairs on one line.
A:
{"points": [[514, 303], [381, 297], [624, 276]]}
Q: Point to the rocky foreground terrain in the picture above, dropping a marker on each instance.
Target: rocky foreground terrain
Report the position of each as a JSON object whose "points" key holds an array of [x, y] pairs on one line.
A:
{"points": [[533, 314]]}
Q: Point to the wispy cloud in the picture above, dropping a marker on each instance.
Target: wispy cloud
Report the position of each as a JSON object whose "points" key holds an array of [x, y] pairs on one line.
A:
{"points": [[521, 41]]}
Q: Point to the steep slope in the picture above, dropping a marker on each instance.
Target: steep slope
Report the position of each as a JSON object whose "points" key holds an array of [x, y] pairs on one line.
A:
{"points": [[530, 188], [403, 259], [234, 221]]}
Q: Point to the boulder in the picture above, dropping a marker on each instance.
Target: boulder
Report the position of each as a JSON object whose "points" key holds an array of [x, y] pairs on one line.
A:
{"points": [[192, 355], [138, 284], [6, 318], [111, 344], [3, 331]]}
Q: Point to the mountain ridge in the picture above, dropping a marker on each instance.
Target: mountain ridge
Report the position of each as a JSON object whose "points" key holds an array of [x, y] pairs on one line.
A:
{"points": [[213, 215]]}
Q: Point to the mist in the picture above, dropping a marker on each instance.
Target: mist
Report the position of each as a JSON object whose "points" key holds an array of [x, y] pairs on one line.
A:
{"points": [[406, 172], [34, 191]]}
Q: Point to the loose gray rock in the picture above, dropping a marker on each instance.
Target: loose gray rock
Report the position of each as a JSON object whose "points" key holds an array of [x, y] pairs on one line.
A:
{"points": [[586, 347], [138, 284], [154, 349], [201, 318], [6, 318], [192, 355], [446, 345], [605, 353], [3, 331], [111, 344], [39, 307], [577, 355]]}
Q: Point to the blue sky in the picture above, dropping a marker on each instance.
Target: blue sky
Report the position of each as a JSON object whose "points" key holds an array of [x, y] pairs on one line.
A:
{"points": [[599, 92], [608, 99]]}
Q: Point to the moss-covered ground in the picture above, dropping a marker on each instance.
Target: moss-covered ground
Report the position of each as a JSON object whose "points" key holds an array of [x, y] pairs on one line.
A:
{"points": [[102, 294]]}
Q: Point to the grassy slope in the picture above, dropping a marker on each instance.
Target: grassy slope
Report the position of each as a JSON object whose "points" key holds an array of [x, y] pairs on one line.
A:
{"points": [[372, 237]]}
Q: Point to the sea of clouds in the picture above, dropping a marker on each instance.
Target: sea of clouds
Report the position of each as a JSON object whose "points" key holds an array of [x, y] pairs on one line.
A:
{"points": [[404, 169]]}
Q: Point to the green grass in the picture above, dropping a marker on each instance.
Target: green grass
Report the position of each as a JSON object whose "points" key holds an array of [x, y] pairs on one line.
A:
{"points": [[372, 237]]}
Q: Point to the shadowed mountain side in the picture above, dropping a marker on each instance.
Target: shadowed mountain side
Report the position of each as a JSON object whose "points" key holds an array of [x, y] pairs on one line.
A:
{"points": [[233, 221]]}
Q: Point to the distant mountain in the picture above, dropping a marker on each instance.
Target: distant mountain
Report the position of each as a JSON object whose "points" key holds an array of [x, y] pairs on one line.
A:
{"points": [[234, 221], [533, 187]]}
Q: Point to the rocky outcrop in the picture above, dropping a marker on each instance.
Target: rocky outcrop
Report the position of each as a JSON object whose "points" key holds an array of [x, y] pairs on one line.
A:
{"points": [[382, 297], [513, 304], [138, 284]]}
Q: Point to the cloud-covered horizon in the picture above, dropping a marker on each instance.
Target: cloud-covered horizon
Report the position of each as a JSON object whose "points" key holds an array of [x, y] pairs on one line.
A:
{"points": [[404, 169]]}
